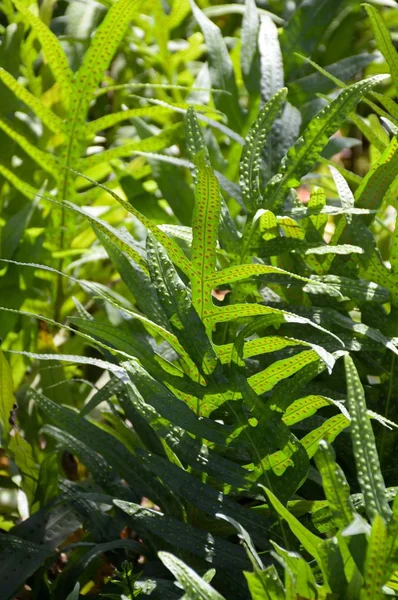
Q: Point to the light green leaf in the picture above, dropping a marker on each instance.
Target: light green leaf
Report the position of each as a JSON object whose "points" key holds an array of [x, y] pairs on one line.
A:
{"points": [[303, 408], [345, 194], [363, 440], [44, 159], [328, 431], [195, 587], [22, 455], [154, 143], [384, 41], [256, 347], [205, 218], [375, 574], [48, 118], [340, 249], [298, 575], [270, 59], [308, 540], [375, 185], [221, 69], [249, 52], [102, 49], [265, 585], [251, 154], [236, 311], [173, 249], [303, 155], [246, 271], [335, 486], [7, 398], [265, 380], [179, 10], [53, 51], [22, 186]]}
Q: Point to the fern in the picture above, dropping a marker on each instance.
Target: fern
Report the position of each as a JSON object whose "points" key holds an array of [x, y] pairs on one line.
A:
{"points": [[185, 258]]}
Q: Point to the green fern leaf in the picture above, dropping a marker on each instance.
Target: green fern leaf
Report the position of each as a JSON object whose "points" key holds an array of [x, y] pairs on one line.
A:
{"points": [[251, 153], [271, 63], [237, 311], [364, 291], [249, 51], [375, 561], [308, 540], [303, 155], [178, 413], [202, 458], [345, 194], [221, 69], [121, 343], [303, 408], [185, 537], [174, 251], [267, 379], [47, 117], [176, 301], [305, 29], [256, 347], [25, 188], [195, 587], [121, 241], [330, 429], [340, 249], [205, 497], [93, 127], [44, 159], [156, 112], [30, 556], [53, 51], [179, 10], [7, 398], [384, 41], [99, 468], [375, 185], [155, 143], [335, 485], [368, 465], [137, 281], [100, 53], [205, 218], [366, 129], [265, 585], [245, 271], [124, 463]]}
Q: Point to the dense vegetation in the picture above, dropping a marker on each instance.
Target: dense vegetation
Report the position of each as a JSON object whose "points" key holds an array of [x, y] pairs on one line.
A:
{"points": [[198, 300]]}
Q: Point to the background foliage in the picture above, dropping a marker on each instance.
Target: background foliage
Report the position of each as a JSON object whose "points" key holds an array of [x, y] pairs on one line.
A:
{"points": [[198, 297]]}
